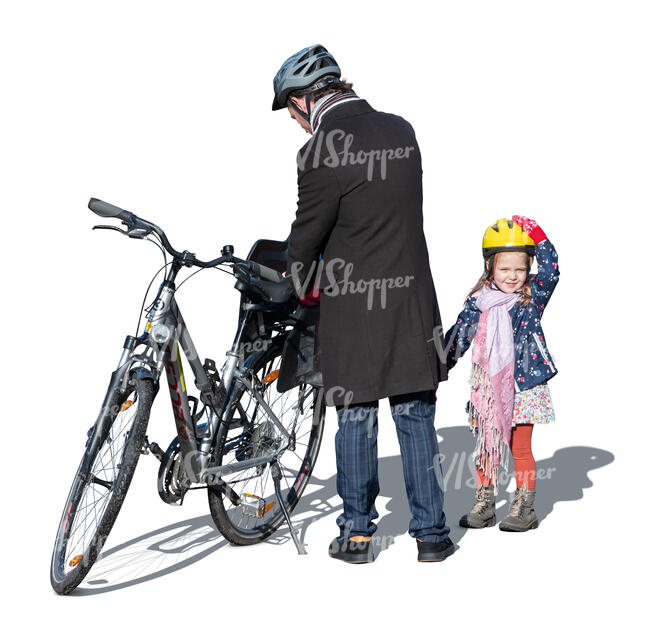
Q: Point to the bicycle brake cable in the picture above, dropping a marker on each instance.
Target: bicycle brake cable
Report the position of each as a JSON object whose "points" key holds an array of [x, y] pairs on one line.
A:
{"points": [[144, 299], [158, 244], [197, 271]]}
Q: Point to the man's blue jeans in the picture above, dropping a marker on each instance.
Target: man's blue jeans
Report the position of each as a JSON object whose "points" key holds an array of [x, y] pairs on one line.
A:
{"points": [[357, 480]]}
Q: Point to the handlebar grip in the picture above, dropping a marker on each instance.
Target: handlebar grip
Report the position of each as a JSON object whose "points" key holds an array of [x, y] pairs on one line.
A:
{"points": [[266, 272], [104, 209]]}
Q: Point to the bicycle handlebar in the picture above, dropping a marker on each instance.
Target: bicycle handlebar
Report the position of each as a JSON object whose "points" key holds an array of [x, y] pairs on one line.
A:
{"points": [[144, 227], [266, 273], [104, 209]]}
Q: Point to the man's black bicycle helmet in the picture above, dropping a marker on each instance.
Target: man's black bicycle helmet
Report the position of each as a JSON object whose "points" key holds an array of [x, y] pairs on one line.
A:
{"points": [[301, 72]]}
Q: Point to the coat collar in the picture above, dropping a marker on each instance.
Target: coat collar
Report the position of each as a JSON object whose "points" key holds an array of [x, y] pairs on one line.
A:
{"points": [[330, 101], [350, 108]]}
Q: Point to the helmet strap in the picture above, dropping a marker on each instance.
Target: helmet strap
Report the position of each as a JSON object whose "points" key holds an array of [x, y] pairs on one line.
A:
{"points": [[529, 264], [307, 93], [308, 104], [490, 267]]}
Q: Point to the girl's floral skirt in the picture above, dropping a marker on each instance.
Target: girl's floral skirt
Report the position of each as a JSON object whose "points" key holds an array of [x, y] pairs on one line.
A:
{"points": [[531, 406]]}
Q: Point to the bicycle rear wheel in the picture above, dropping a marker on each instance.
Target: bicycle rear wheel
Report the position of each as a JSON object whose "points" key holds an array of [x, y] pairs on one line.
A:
{"points": [[248, 432], [100, 485]]}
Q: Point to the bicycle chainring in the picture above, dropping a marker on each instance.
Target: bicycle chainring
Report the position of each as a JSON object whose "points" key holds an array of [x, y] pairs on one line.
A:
{"points": [[172, 476]]}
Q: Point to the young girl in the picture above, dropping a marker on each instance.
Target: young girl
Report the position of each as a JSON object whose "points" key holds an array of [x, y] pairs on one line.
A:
{"points": [[510, 364]]}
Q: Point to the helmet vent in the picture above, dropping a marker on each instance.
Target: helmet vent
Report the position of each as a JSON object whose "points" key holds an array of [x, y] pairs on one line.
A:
{"points": [[302, 70], [504, 235]]}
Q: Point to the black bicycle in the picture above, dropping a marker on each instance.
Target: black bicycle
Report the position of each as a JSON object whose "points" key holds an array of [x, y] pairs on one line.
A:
{"points": [[252, 447]]}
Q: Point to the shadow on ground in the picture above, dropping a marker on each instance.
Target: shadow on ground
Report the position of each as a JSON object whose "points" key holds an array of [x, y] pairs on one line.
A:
{"points": [[562, 477]]}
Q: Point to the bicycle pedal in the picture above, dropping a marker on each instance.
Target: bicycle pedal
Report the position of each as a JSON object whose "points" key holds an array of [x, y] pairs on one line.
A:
{"points": [[254, 506], [156, 450]]}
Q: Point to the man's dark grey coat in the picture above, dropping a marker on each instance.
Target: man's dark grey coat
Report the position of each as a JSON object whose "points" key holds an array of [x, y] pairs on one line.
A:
{"points": [[360, 207]]}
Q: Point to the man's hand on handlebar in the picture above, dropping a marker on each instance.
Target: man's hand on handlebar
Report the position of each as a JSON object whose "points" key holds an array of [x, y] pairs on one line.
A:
{"points": [[311, 299]]}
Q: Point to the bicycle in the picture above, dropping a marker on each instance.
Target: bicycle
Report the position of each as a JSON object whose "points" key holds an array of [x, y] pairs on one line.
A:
{"points": [[240, 433]]}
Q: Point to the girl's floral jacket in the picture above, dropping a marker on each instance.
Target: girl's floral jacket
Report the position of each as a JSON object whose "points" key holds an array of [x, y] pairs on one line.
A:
{"points": [[533, 362]]}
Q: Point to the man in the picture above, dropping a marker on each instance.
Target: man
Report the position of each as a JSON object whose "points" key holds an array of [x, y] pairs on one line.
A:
{"points": [[358, 236]]}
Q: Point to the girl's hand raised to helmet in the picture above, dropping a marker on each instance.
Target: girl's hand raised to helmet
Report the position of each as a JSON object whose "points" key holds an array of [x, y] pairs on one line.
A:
{"points": [[530, 227]]}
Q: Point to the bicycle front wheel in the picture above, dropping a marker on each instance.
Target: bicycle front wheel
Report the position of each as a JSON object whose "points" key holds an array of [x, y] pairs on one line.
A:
{"points": [[100, 485], [248, 432]]}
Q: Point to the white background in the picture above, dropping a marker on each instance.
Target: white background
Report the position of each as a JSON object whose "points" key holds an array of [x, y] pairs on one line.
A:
{"points": [[164, 109]]}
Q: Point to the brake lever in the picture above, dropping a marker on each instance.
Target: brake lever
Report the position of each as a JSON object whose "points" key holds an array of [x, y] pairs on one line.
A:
{"points": [[138, 233], [133, 233], [111, 228], [241, 271]]}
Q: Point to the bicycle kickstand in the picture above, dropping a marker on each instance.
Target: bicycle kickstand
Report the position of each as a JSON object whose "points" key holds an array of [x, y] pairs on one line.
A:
{"points": [[275, 473]]}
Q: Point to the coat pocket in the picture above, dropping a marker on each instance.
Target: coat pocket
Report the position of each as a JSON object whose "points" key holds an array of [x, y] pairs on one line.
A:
{"points": [[543, 352]]}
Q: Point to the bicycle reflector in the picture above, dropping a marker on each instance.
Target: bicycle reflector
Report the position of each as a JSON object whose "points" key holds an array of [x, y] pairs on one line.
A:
{"points": [[126, 405], [271, 376], [75, 560], [267, 507]]}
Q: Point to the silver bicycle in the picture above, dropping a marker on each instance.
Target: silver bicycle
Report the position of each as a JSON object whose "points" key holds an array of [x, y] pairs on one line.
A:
{"points": [[250, 446]]}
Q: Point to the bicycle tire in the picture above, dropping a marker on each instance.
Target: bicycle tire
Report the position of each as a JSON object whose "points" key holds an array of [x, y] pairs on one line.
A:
{"points": [[217, 501], [65, 582]]}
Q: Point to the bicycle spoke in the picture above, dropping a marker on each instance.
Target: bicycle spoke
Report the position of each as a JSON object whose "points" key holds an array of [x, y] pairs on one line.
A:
{"points": [[93, 502], [285, 409], [254, 433]]}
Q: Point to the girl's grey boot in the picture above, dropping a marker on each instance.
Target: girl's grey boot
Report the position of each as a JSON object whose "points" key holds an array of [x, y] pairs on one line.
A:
{"points": [[483, 513], [521, 517]]}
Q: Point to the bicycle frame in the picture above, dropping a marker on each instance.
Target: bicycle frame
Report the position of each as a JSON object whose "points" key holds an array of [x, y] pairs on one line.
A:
{"points": [[230, 419], [164, 337]]}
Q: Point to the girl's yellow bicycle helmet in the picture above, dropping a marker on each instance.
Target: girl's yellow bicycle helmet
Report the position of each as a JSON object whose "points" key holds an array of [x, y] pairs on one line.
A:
{"points": [[504, 235]]}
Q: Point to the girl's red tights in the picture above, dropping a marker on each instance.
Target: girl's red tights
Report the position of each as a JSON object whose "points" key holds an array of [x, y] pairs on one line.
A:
{"points": [[522, 454]]}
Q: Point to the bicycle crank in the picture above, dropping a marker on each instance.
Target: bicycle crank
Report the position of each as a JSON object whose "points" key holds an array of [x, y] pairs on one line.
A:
{"points": [[172, 478]]}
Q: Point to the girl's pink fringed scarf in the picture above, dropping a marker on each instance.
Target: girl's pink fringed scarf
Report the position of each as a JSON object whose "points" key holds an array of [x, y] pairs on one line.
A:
{"points": [[492, 379]]}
